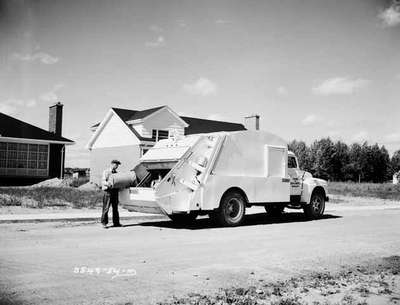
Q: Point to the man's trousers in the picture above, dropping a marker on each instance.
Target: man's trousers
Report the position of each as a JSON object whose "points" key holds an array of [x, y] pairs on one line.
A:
{"points": [[110, 198]]}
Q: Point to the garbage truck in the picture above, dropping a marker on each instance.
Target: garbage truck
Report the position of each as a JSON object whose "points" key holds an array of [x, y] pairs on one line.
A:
{"points": [[221, 174]]}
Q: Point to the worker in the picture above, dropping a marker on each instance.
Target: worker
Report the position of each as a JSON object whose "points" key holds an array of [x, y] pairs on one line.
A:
{"points": [[110, 196]]}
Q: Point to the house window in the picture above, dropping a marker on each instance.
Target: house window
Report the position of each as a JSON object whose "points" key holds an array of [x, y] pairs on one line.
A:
{"points": [[159, 134], [23, 159]]}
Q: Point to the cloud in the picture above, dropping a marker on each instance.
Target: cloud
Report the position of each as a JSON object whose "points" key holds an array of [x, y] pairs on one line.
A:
{"points": [[8, 109], [311, 119], [339, 85], [282, 91], [390, 17], [36, 56], [181, 23], [157, 43], [392, 138], [333, 133], [52, 95], [222, 21], [217, 117], [11, 105], [362, 136], [31, 103], [203, 87], [155, 28]]}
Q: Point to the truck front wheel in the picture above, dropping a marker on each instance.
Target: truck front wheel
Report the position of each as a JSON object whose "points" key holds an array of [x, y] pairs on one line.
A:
{"points": [[231, 210], [315, 209]]}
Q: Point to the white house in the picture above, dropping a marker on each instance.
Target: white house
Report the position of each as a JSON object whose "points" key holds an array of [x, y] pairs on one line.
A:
{"points": [[126, 135]]}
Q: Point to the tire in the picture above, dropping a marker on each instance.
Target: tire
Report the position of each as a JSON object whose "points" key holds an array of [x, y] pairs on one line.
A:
{"points": [[274, 210], [231, 210], [183, 219], [315, 209]]}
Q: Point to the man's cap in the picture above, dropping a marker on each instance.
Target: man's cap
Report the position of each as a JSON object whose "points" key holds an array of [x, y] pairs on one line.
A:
{"points": [[116, 161]]}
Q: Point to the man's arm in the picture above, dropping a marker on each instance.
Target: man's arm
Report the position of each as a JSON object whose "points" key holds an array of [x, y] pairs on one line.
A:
{"points": [[104, 180]]}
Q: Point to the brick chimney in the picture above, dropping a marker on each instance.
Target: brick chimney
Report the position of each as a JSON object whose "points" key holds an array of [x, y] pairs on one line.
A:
{"points": [[55, 118], [252, 122]]}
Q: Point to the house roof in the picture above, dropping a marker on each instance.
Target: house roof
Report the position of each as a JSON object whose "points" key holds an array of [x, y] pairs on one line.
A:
{"points": [[127, 115], [196, 125], [14, 128], [130, 115]]}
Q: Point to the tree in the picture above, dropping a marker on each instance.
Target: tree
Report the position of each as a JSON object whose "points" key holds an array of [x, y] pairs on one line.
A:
{"points": [[321, 156], [302, 152], [395, 162], [353, 170], [340, 162], [339, 159]]}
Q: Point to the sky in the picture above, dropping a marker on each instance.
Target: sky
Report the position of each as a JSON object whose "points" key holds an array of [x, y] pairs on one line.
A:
{"points": [[309, 68]]}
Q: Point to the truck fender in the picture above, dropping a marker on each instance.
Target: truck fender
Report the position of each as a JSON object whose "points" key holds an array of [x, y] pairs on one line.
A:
{"points": [[234, 189], [317, 188]]}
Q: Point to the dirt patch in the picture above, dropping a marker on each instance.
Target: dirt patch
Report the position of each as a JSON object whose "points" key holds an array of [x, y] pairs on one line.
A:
{"points": [[375, 283], [55, 182], [335, 199], [89, 186]]}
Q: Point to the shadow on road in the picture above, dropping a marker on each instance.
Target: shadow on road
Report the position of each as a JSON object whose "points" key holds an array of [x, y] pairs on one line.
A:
{"points": [[250, 220]]}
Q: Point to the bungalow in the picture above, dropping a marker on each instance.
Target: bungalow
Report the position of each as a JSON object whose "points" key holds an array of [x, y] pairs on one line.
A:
{"points": [[29, 154], [126, 134]]}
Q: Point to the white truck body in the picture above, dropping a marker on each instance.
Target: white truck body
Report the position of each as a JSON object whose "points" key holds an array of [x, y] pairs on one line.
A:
{"points": [[193, 173]]}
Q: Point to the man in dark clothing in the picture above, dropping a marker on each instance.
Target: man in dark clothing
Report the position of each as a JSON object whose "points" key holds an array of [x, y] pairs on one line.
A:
{"points": [[110, 196]]}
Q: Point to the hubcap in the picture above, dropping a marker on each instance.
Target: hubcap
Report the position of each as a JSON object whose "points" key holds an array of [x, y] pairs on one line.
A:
{"points": [[317, 204], [234, 209]]}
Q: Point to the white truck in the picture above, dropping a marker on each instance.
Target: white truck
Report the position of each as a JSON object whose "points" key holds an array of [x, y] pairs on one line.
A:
{"points": [[221, 174]]}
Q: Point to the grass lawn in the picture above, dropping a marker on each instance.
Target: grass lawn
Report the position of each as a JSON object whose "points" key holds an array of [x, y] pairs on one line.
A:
{"points": [[40, 197], [375, 190]]}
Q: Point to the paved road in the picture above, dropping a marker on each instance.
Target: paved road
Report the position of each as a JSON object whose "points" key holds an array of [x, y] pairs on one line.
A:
{"points": [[38, 262]]}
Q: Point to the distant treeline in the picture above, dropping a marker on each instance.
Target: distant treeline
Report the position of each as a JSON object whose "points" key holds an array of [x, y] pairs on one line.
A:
{"points": [[337, 161]]}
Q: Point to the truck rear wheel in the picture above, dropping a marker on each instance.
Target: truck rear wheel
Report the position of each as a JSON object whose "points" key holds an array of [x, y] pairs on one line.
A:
{"points": [[231, 210], [315, 209], [183, 219]]}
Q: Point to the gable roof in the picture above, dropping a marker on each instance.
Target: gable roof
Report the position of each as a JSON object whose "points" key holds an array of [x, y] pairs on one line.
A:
{"points": [[130, 115], [126, 113], [196, 125], [14, 128], [205, 126]]}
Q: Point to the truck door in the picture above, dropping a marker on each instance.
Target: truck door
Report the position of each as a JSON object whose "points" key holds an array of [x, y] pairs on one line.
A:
{"points": [[295, 176]]}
